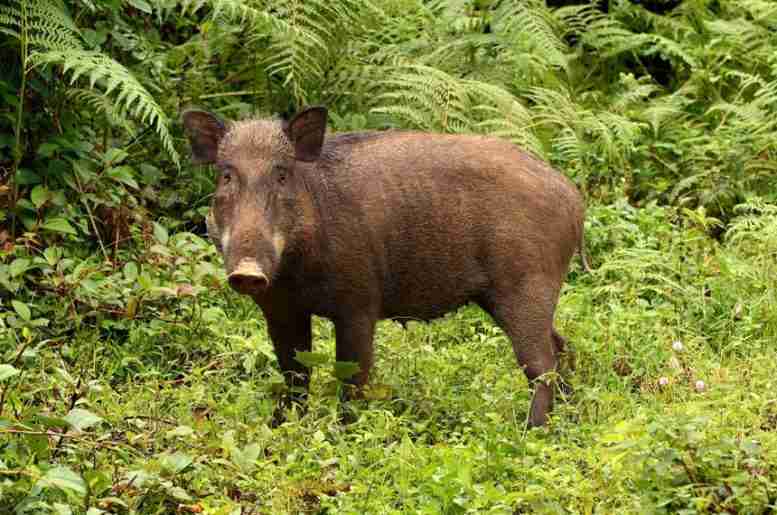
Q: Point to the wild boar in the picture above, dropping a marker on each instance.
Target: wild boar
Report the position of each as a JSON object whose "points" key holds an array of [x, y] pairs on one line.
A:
{"points": [[359, 227]]}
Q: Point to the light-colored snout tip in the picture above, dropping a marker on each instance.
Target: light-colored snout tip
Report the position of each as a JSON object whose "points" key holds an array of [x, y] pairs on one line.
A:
{"points": [[248, 278]]}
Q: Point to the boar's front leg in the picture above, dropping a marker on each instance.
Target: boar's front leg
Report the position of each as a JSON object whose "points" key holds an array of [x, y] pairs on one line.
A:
{"points": [[289, 335], [354, 343]]}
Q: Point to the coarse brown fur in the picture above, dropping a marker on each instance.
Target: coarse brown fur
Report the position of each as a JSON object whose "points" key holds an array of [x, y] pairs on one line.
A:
{"points": [[392, 224]]}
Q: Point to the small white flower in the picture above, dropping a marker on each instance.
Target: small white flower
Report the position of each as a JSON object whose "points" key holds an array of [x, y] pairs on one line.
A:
{"points": [[700, 386], [663, 381], [677, 345]]}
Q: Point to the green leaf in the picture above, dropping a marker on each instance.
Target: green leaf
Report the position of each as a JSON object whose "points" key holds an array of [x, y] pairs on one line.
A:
{"points": [[8, 371], [182, 431], [246, 459], [59, 225], [123, 174], [26, 177], [178, 493], [50, 422], [19, 266], [52, 255], [40, 195], [63, 478], [131, 271], [46, 150], [140, 5], [81, 419], [311, 359], [22, 309], [115, 156], [62, 509], [175, 462], [345, 369], [160, 233]]}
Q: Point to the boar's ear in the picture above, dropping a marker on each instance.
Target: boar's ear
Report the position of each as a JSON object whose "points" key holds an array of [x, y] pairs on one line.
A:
{"points": [[205, 131], [306, 132]]}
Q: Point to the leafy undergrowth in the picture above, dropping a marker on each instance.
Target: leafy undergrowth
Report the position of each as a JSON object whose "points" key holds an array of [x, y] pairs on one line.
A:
{"points": [[147, 388]]}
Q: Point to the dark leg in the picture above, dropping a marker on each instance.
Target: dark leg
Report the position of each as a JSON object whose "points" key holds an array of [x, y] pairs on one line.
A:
{"points": [[288, 337], [526, 315], [354, 343], [565, 356]]}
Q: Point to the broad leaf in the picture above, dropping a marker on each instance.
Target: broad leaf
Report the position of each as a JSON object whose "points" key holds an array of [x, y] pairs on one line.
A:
{"points": [[345, 369], [22, 309], [40, 195], [59, 225], [124, 175], [8, 371], [63, 478], [140, 5], [131, 271], [160, 233], [81, 419], [311, 359], [19, 266], [175, 462]]}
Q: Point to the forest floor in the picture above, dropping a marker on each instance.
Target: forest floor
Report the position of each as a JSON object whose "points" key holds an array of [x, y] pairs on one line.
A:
{"points": [[673, 406]]}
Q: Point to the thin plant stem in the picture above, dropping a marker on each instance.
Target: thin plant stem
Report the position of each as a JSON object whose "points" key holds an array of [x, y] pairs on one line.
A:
{"points": [[17, 159]]}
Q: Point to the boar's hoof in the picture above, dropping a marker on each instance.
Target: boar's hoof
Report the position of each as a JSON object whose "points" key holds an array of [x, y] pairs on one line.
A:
{"points": [[285, 403]]}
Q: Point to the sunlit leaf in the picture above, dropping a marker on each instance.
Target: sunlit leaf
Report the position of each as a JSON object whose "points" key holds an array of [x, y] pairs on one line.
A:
{"points": [[59, 225], [311, 359], [8, 371], [63, 478], [81, 419], [40, 195], [160, 233], [175, 462], [345, 369], [22, 309]]}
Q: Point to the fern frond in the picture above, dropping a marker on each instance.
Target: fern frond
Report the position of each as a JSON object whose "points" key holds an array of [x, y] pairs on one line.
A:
{"points": [[102, 104], [297, 40], [531, 26], [44, 23], [633, 93], [669, 108], [429, 99], [129, 95], [740, 34], [581, 132], [757, 222]]}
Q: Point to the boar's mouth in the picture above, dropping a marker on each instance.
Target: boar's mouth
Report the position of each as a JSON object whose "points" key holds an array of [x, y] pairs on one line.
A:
{"points": [[248, 278]]}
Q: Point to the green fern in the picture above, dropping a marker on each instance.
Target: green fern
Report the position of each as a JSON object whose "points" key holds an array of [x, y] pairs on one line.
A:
{"points": [[532, 29], [299, 41], [103, 104], [45, 25], [756, 223], [128, 94], [429, 99]]}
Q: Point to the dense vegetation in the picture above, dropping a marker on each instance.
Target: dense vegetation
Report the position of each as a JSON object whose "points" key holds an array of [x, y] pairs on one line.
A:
{"points": [[133, 381]]}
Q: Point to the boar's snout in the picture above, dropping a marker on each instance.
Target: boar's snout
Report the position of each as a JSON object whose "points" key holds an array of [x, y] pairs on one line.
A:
{"points": [[248, 278]]}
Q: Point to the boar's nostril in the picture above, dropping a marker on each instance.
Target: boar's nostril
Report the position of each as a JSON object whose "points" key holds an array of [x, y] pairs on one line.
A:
{"points": [[248, 284], [248, 279]]}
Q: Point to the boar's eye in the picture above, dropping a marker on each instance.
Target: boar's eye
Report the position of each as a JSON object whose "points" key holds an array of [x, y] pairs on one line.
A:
{"points": [[280, 173], [226, 174]]}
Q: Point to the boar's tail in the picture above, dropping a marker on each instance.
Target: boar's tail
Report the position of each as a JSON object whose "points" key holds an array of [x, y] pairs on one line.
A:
{"points": [[583, 256]]}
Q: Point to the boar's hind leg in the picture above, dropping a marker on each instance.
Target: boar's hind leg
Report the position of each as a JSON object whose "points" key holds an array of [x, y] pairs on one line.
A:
{"points": [[565, 356], [526, 314], [289, 336]]}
